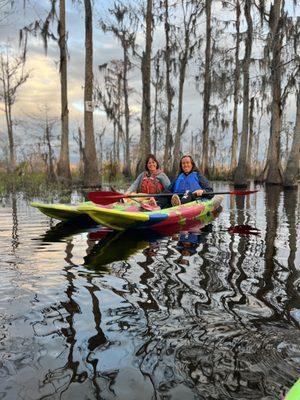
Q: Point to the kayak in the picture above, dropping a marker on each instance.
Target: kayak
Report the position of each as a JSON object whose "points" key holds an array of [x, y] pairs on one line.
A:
{"points": [[120, 216], [62, 212], [69, 212], [120, 220]]}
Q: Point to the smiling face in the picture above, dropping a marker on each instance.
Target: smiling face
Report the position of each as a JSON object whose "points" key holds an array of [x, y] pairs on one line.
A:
{"points": [[151, 165], [186, 165]]}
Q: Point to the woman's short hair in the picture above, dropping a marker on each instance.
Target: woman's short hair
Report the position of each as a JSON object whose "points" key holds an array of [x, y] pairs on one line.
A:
{"points": [[194, 168], [149, 157]]}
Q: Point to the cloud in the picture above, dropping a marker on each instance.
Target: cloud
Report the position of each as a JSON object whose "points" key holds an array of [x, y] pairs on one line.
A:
{"points": [[42, 87]]}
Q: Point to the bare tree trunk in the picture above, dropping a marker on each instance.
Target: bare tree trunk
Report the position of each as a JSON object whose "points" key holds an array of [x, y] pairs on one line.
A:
{"points": [[118, 148], [51, 172], [119, 131], [114, 150], [189, 31], [168, 140], [251, 135], [241, 173], [155, 129], [207, 89], [179, 111], [285, 155], [273, 168], [101, 154], [145, 138], [101, 135], [91, 175], [63, 166], [291, 173], [81, 154], [192, 148], [234, 142], [127, 161], [12, 157], [7, 104]]}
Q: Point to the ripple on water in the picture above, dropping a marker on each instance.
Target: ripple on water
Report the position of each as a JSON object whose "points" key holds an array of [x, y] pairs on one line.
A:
{"points": [[221, 322]]}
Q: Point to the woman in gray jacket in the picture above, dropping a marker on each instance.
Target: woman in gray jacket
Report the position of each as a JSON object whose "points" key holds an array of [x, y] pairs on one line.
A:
{"points": [[152, 180]]}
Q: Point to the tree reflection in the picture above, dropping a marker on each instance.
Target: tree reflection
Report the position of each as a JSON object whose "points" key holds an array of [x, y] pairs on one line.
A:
{"points": [[237, 275], [293, 280], [15, 234], [191, 315], [269, 284], [69, 311]]}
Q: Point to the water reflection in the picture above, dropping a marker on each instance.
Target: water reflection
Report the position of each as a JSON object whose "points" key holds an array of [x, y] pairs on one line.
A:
{"points": [[113, 246], [63, 230], [14, 235], [205, 313], [293, 278]]}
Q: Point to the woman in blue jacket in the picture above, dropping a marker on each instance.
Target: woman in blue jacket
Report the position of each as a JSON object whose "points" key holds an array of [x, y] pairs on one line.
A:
{"points": [[189, 182]]}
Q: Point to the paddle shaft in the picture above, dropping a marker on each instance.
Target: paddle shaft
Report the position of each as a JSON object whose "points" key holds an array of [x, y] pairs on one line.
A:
{"points": [[109, 197], [236, 193]]}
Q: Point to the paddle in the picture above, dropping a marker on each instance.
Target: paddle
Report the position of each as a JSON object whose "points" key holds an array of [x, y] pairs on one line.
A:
{"points": [[105, 198]]}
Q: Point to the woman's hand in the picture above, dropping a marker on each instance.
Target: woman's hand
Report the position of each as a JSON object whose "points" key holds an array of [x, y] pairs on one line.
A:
{"points": [[127, 200], [198, 193]]}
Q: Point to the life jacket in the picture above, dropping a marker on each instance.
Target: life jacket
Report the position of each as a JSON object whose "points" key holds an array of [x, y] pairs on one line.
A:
{"points": [[151, 184], [187, 182]]}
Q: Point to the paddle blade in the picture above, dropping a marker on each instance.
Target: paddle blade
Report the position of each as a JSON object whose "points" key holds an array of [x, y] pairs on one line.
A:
{"points": [[242, 192], [105, 198]]}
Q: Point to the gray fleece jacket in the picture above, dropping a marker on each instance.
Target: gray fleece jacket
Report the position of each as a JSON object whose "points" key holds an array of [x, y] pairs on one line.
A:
{"points": [[136, 185]]}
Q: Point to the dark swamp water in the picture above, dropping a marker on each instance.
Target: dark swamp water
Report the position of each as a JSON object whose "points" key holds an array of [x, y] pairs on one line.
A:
{"points": [[210, 314]]}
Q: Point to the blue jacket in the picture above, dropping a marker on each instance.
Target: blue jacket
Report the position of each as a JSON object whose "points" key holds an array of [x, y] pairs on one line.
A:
{"points": [[193, 181]]}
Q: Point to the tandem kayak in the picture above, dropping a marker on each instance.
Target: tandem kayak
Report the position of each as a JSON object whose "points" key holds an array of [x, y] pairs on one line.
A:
{"points": [[125, 219]]}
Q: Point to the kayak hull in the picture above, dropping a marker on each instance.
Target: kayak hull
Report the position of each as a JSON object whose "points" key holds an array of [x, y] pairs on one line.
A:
{"points": [[69, 212], [180, 215], [62, 212], [119, 216]]}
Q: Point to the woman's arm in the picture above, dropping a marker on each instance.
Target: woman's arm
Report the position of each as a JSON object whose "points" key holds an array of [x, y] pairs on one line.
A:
{"points": [[164, 180], [206, 186], [134, 187]]}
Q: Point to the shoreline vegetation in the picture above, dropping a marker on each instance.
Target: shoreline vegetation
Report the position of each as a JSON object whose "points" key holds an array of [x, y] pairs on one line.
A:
{"points": [[37, 182]]}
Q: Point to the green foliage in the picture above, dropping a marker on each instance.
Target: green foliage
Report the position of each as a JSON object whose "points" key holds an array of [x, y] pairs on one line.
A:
{"points": [[111, 173], [36, 183], [31, 184]]}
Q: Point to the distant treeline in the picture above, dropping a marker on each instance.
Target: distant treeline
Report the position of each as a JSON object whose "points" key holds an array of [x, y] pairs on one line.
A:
{"points": [[242, 56]]}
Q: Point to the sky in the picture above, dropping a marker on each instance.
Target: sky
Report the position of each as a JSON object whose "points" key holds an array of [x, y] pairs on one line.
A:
{"points": [[43, 86]]}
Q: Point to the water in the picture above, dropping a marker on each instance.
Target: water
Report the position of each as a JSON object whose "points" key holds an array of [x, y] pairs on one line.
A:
{"points": [[209, 315]]}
